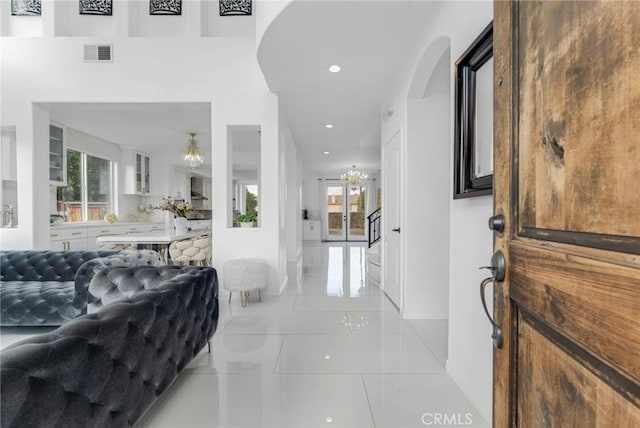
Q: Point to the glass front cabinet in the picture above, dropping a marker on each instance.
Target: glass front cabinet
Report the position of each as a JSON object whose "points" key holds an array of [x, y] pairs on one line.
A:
{"points": [[57, 156], [137, 172]]}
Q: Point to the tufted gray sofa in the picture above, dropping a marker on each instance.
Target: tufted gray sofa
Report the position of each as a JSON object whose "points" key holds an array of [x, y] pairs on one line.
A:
{"points": [[47, 288], [105, 369]]}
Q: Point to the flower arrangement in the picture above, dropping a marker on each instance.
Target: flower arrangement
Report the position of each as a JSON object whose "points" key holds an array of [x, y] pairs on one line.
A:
{"points": [[178, 209], [110, 218]]}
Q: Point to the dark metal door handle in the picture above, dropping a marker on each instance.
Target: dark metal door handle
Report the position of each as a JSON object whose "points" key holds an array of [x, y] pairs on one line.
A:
{"points": [[498, 271], [497, 330], [397, 229]]}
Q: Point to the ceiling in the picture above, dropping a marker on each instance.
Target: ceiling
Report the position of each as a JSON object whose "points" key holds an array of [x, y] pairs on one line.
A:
{"points": [[369, 40]]}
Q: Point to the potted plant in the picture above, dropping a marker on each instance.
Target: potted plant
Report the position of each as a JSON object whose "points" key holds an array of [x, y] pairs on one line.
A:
{"points": [[246, 220]]}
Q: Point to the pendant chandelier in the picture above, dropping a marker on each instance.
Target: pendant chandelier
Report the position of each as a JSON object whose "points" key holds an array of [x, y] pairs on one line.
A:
{"points": [[192, 157], [354, 178]]}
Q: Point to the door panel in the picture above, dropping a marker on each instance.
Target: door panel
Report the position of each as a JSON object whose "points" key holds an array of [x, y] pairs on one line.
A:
{"points": [[391, 282], [567, 158], [552, 389], [336, 230], [355, 219], [345, 212], [570, 294], [582, 114]]}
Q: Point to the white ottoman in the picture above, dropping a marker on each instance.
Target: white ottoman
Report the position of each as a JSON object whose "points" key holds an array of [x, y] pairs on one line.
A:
{"points": [[245, 275]]}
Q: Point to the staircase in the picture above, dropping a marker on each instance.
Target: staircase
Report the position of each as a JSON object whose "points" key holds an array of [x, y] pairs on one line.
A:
{"points": [[374, 257], [374, 263]]}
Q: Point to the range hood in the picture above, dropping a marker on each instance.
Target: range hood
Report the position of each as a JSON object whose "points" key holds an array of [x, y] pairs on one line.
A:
{"points": [[197, 195], [196, 189]]}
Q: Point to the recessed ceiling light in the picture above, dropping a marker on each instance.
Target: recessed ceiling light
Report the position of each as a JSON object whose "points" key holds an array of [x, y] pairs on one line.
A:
{"points": [[328, 419], [329, 125], [326, 153], [327, 357], [334, 68]]}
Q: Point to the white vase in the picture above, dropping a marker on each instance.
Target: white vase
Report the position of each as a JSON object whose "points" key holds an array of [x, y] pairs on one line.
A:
{"points": [[246, 224], [180, 224]]}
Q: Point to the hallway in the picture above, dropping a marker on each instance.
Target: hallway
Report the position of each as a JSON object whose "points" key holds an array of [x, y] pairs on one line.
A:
{"points": [[330, 351]]}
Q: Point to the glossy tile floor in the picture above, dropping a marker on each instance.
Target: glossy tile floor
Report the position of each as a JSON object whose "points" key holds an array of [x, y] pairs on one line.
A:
{"points": [[330, 352]]}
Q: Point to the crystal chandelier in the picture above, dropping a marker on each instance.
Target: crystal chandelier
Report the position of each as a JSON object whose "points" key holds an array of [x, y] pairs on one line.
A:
{"points": [[354, 178], [191, 155]]}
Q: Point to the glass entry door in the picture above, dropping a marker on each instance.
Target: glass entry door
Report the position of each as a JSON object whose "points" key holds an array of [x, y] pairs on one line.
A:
{"points": [[345, 212]]}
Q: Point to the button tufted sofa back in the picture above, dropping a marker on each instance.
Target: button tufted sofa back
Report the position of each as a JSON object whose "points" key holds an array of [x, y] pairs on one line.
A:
{"points": [[87, 272], [37, 265], [117, 283], [107, 368]]}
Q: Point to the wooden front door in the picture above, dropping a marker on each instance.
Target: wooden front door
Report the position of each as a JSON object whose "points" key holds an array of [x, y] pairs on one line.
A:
{"points": [[567, 180]]}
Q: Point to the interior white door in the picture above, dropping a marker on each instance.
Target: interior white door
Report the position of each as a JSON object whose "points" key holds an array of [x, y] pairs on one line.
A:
{"points": [[392, 202]]}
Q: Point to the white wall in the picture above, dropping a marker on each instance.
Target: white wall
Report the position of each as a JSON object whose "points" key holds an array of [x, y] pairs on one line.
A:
{"points": [[311, 195], [263, 241], [222, 71], [425, 216], [266, 12], [470, 347], [454, 25], [69, 22], [25, 26], [293, 209]]}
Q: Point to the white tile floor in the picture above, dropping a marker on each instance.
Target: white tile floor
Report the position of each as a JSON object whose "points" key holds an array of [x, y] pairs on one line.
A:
{"points": [[332, 351]]}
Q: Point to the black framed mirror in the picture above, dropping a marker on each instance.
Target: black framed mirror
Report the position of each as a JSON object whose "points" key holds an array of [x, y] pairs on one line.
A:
{"points": [[473, 152]]}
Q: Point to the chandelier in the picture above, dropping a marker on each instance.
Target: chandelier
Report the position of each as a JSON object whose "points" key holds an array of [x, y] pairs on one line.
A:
{"points": [[191, 155], [354, 178]]}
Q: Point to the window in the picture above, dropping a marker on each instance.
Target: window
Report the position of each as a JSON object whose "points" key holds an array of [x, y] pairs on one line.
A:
{"points": [[89, 192]]}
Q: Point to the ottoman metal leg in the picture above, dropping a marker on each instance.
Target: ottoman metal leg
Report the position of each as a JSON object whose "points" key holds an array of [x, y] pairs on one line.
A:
{"points": [[209, 346], [230, 296], [259, 296]]}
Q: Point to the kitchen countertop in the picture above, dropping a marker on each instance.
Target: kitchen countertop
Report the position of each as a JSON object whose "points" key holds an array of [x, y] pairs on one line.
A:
{"points": [[162, 237], [102, 224]]}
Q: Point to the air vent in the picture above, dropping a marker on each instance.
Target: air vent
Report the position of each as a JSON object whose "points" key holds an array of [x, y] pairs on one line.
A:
{"points": [[98, 53]]}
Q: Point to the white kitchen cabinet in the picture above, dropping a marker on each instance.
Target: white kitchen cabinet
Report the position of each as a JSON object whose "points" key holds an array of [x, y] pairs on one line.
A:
{"points": [[137, 175], [136, 228], [156, 227], [57, 156], [94, 232], [69, 238], [181, 185], [85, 236], [311, 230], [79, 244]]}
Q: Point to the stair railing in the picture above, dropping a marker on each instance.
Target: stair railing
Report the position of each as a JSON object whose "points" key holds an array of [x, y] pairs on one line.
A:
{"points": [[374, 220]]}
